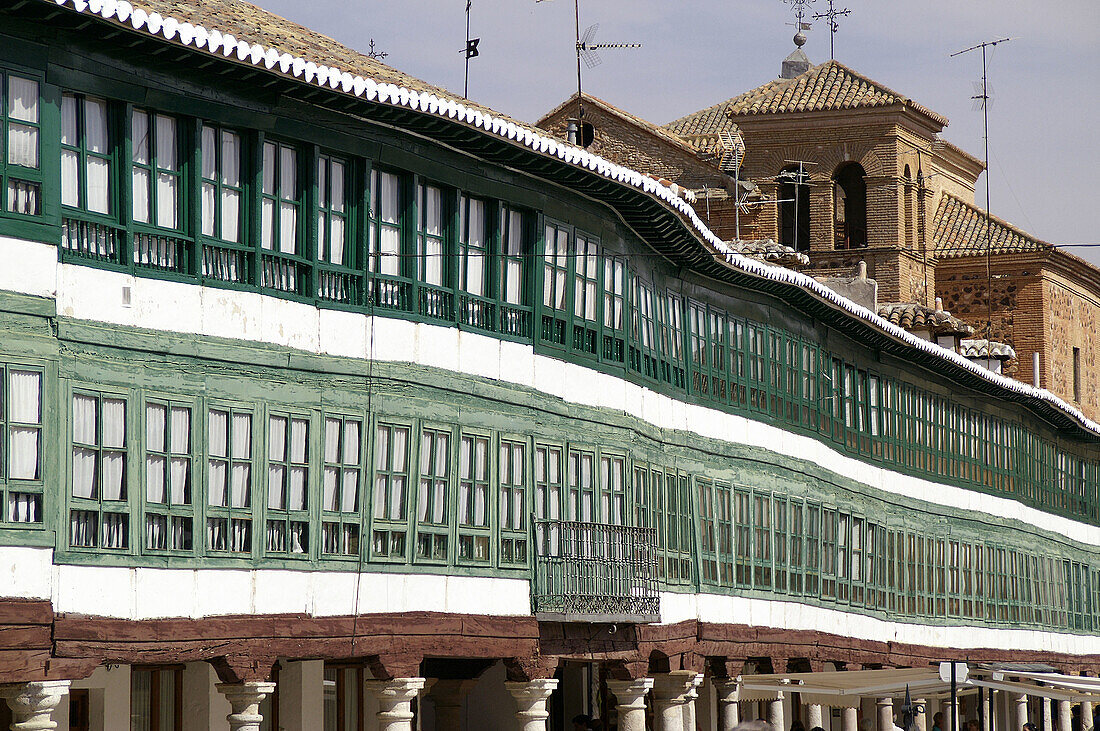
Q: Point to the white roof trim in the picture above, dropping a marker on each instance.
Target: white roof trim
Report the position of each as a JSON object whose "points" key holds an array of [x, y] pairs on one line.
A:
{"points": [[214, 42]]}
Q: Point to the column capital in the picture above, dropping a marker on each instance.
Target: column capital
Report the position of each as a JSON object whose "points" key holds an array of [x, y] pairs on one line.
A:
{"points": [[32, 704], [395, 697], [673, 688], [530, 700], [630, 693], [728, 690], [244, 700]]}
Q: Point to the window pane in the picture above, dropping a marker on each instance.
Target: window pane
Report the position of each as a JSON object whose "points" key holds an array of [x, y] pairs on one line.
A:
{"points": [[68, 120], [166, 142], [22, 145], [288, 159], [24, 396], [22, 99], [231, 159], [139, 137], [269, 169], [98, 172], [166, 200], [209, 153]]}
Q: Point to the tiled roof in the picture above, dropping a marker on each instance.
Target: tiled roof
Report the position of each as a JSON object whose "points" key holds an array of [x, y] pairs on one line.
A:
{"points": [[960, 231], [609, 108], [911, 316], [825, 87], [768, 251], [982, 348]]}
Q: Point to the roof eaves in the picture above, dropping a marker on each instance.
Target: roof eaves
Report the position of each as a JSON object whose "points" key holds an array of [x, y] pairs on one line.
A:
{"points": [[214, 42]]}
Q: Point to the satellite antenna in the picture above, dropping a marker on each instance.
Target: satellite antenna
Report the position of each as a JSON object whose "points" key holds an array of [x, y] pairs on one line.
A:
{"points": [[831, 15], [376, 55], [981, 101], [587, 50]]}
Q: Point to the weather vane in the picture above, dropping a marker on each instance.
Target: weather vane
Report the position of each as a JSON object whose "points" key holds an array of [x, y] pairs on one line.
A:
{"points": [[470, 51], [376, 55], [831, 15], [801, 7]]}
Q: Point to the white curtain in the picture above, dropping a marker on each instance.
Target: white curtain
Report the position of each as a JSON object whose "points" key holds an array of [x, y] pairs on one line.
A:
{"points": [[288, 192], [390, 238], [139, 137], [24, 407], [167, 199], [433, 262], [166, 143], [218, 446], [23, 508], [328, 496], [156, 424], [267, 224], [140, 193], [114, 435], [84, 460], [231, 212], [349, 492], [299, 434], [351, 443], [332, 441], [22, 145], [242, 471], [22, 99], [288, 227], [70, 160], [474, 231], [98, 185], [180, 466], [240, 538], [208, 196]]}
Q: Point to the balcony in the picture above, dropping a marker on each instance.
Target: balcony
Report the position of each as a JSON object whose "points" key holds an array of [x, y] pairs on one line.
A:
{"points": [[590, 572]]}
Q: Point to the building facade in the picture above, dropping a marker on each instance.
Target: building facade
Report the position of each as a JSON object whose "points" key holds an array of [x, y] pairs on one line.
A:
{"points": [[331, 401]]}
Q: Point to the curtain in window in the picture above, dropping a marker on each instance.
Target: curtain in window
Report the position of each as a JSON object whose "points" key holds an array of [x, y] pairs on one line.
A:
{"points": [[332, 455], [473, 214], [481, 468], [276, 472], [167, 184], [390, 235], [288, 192], [513, 267], [180, 466], [231, 176], [84, 460], [242, 471], [22, 106], [267, 213], [139, 146], [397, 482], [350, 493], [431, 214], [141, 701], [114, 435], [23, 508], [95, 141], [299, 429], [209, 172], [155, 425], [70, 159], [217, 445], [24, 407]]}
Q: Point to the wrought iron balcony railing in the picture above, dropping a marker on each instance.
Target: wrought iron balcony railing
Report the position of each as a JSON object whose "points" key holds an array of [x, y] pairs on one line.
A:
{"points": [[590, 572]]}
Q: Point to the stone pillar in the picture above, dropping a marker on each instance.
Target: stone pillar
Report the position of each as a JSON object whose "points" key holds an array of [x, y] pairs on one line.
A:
{"points": [[395, 699], [531, 713], [814, 717], [447, 698], [689, 703], [244, 698], [886, 713], [920, 718], [670, 694], [630, 695], [1086, 716], [849, 719], [1046, 714], [1021, 710], [775, 714], [729, 713], [1064, 716], [32, 704]]}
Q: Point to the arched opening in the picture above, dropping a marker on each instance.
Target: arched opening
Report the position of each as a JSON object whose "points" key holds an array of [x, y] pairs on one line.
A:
{"points": [[907, 192], [794, 208], [850, 207]]}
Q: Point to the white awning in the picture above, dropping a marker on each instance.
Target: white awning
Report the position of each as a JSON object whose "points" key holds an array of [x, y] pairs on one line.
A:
{"points": [[844, 689], [1045, 685]]}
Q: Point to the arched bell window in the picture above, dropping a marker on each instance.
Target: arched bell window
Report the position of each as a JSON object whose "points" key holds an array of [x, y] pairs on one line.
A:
{"points": [[908, 193], [794, 208], [850, 207]]}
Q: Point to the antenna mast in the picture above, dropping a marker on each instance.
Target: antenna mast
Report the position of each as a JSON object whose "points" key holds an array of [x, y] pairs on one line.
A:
{"points": [[831, 15], [982, 98]]}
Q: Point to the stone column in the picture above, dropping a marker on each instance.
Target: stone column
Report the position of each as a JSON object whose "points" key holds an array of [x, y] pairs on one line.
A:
{"points": [[395, 699], [630, 695], [32, 704], [670, 694], [814, 717], [244, 698], [775, 714], [1065, 716], [531, 713], [689, 704], [447, 698], [1021, 710], [920, 718], [1046, 714], [729, 713], [1086, 715], [886, 714], [849, 719]]}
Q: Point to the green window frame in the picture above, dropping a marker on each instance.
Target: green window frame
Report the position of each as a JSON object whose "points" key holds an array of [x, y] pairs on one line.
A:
{"points": [[474, 215], [742, 521], [829, 547], [780, 517], [339, 275], [670, 325], [809, 374], [89, 183], [549, 494], [433, 512], [813, 549], [282, 202], [231, 474], [708, 533], [222, 219], [475, 503], [513, 476], [678, 526], [156, 170], [643, 350], [342, 483], [585, 265], [757, 368], [390, 513], [21, 169], [555, 282], [99, 509], [762, 576], [432, 251], [580, 495], [613, 286], [738, 363], [169, 476], [516, 245], [613, 505], [288, 489], [385, 230], [22, 392], [796, 552]]}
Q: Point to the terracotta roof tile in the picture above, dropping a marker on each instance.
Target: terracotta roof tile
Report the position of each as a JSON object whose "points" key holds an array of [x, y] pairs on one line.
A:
{"points": [[982, 348], [828, 86], [768, 251], [960, 230], [911, 315]]}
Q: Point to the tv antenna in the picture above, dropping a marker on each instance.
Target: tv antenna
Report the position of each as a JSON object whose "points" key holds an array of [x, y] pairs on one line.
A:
{"points": [[831, 15], [470, 52], [981, 100], [376, 55], [587, 50]]}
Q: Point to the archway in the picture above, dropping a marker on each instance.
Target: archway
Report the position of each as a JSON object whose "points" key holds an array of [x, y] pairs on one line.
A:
{"points": [[794, 208], [850, 207]]}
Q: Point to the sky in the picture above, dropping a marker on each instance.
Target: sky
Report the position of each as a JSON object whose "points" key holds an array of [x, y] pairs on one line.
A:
{"points": [[1044, 146]]}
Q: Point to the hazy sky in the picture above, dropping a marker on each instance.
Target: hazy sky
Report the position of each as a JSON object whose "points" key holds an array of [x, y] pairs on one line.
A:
{"points": [[1044, 145]]}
